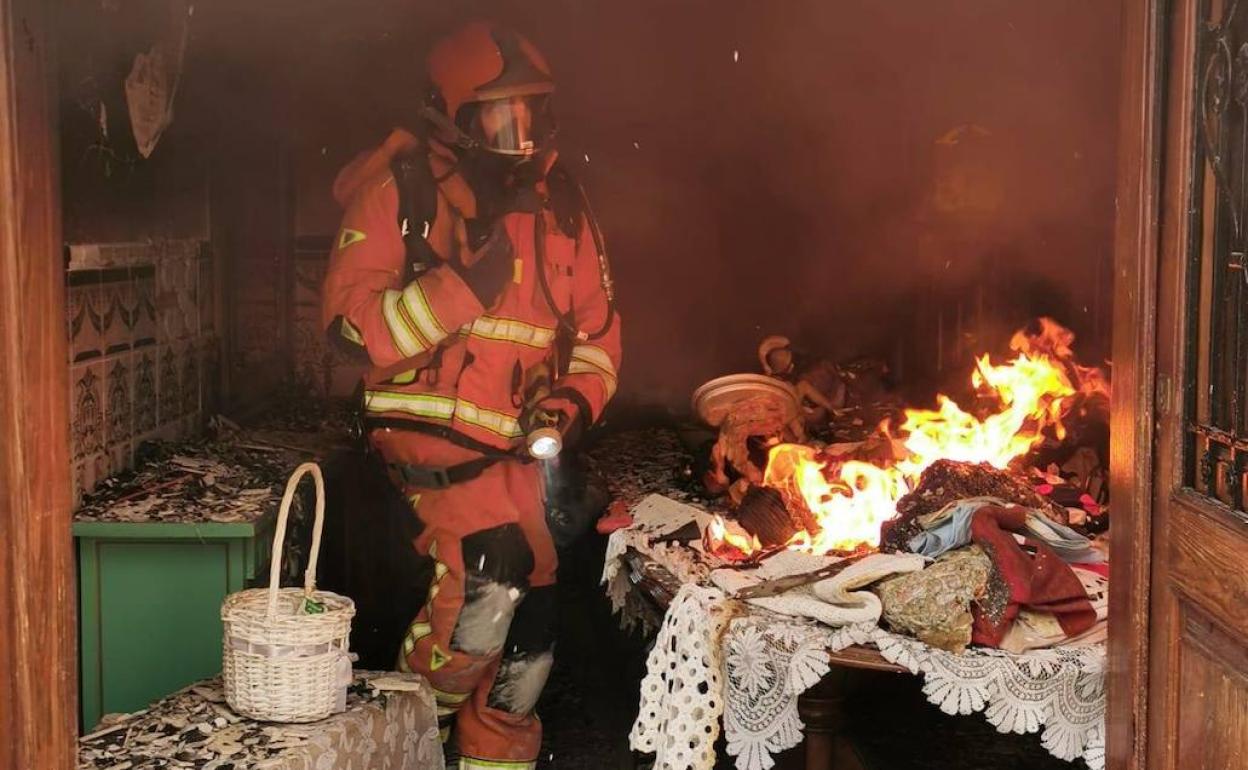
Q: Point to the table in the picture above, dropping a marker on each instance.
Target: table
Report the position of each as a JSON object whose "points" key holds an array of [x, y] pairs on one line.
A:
{"points": [[383, 728], [718, 664], [772, 673], [150, 598], [822, 707]]}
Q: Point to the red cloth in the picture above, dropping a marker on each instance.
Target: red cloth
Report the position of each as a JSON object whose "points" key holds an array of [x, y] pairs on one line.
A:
{"points": [[616, 517], [1041, 582]]}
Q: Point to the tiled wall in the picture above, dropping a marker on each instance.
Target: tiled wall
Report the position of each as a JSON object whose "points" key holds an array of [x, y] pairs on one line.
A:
{"points": [[143, 342]]}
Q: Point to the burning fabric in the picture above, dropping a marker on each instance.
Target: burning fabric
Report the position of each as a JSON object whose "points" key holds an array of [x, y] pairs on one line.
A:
{"points": [[840, 497], [735, 639], [947, 483]]}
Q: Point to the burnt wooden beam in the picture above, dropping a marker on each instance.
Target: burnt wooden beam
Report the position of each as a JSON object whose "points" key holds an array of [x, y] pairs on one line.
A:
{"points": [[38, 693]]}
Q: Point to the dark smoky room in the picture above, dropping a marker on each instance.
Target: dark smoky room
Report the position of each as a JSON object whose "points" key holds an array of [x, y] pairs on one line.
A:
{"points": [[646, 385]]}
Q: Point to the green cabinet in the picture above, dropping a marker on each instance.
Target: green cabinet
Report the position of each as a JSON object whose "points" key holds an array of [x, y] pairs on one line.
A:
{"points": [[150, 598]]}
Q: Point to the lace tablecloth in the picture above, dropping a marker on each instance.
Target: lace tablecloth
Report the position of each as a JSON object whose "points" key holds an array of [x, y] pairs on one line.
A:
{"points": [[716, 660]]}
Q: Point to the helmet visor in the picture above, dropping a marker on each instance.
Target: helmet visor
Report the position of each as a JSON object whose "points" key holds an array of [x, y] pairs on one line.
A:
{"points": [[517, 125]]}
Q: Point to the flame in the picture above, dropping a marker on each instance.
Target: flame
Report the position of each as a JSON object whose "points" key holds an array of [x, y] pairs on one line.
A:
{"points": [[845, 502], [728, 543], [1031, 392], [845, 499]]}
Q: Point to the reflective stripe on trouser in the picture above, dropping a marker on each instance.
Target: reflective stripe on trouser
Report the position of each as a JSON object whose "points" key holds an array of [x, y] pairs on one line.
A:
{"points": [[472, 763], [492, 552]]}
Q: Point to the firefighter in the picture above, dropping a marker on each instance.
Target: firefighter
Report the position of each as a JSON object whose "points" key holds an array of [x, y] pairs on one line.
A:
{"points": [[471, 274]]}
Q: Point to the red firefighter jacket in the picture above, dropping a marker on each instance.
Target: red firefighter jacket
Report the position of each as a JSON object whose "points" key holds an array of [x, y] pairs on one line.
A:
{"points": [[486, 360]]}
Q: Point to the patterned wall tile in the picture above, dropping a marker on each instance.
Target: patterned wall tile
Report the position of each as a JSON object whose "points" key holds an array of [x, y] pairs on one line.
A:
{"points": [[120, 457], [168, 392], [76, 474], [127, 305], [86, 410], [115, 331], [82, 317], [87, 473], [145, 392], [145, 359], [145, 327], [170, 292], [119, 426]]}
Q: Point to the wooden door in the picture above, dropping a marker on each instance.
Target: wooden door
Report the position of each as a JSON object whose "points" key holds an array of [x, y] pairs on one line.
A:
{"points": [[37, 661], [1198, 629]]}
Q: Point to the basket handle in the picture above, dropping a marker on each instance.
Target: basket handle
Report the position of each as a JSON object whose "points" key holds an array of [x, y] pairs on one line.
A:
{"points": [[279, 537]]}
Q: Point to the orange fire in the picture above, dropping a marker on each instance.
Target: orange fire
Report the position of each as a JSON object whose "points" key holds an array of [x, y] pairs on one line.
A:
{"points": [[849, 500], [730, 544]]}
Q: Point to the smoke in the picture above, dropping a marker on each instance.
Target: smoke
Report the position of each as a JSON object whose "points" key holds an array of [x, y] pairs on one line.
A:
{"points": [[905, 180]]}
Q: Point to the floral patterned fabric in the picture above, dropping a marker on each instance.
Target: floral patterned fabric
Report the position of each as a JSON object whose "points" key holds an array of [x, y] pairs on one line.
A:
{"points": [[390, 724]]}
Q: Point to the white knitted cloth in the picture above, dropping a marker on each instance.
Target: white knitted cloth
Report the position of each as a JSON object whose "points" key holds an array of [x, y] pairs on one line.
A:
{"points": [[720, 659]]}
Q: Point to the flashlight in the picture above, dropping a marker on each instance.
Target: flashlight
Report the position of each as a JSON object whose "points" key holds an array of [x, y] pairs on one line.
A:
{"points": [[545, 443]]}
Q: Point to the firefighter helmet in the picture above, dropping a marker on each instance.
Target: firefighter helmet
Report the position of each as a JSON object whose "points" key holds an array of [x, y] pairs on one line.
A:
{"points": [[491, 89]]}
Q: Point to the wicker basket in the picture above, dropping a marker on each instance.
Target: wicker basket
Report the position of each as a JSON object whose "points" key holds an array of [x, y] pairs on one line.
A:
{"points": [[281, 663]]}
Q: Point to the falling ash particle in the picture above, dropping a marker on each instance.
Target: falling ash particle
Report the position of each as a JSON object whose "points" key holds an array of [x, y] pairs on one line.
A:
{"points": [[736, 56]]}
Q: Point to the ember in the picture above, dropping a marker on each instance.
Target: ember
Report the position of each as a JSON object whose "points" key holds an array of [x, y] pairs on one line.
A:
{"points": [[846, 501]]}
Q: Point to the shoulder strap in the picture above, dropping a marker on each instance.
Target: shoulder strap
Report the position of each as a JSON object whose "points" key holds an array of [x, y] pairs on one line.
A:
{"points": [[566, 200], [418, 205]]}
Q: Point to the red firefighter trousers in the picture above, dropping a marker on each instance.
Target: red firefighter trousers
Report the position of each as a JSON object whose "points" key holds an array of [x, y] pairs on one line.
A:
{"points": [[484, 639]]}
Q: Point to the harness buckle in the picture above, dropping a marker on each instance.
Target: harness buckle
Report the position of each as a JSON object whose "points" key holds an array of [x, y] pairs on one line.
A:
{"points": [[423, 476]]}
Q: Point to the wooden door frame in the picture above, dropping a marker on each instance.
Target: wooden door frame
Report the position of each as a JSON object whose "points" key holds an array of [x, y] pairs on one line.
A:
{"points": [[1136, 254], [38, 630]]}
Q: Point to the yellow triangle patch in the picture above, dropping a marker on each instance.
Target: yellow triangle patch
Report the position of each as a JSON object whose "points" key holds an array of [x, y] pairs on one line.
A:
{"points": [[439, 569], [437, 659], [348, 237]]}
